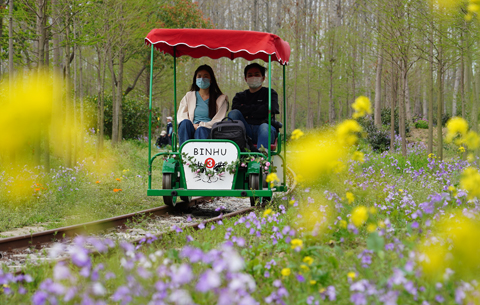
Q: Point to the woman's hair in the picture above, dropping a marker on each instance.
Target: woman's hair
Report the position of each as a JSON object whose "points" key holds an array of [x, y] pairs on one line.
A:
{"points": [[214, 90]]}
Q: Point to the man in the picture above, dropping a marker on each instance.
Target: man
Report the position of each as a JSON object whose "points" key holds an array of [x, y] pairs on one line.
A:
{"points": [[162, 141], [251, 106], [169, 129]]}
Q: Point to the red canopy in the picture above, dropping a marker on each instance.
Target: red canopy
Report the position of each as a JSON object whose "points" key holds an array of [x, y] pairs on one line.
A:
{"points": [[215, 44]]}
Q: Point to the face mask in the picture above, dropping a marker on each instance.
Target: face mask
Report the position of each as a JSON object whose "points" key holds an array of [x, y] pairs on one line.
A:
{"points": [[254, 82], [203, 83]]}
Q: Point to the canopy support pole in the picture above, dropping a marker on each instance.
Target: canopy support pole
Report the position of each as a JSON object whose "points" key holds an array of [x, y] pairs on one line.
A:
{"points": [[174, 136], [269, 113], [284, 138], [150, 122]]}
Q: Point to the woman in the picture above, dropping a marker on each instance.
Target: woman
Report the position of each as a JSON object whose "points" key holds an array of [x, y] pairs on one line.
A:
{"points": [[201, 107]]}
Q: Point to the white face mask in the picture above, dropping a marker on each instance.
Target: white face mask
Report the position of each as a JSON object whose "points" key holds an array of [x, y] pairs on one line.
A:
{"points": [[254, 82]]}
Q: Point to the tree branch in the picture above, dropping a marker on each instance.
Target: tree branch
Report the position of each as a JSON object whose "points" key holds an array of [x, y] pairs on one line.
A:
{"points": [[130, 87]]}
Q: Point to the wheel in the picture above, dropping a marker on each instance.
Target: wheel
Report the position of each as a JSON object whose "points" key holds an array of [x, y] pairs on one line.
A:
{"points": [[253, 184], [167, 185], [185, 198]]}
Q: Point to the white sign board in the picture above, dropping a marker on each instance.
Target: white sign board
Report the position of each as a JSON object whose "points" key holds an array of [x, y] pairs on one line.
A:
{"points": [[215, 156]]}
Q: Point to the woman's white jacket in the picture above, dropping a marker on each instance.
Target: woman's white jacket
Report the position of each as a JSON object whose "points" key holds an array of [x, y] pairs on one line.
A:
{"points": [[186, 111]]}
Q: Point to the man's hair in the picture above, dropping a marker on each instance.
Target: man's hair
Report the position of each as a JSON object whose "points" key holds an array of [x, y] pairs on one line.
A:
{"points": [[254, 65]]}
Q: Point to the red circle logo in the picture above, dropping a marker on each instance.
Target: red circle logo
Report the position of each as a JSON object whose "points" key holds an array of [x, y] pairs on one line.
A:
{"points": [[209, 163]]}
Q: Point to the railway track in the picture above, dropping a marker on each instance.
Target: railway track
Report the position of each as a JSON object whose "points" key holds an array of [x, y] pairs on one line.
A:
{"points": [[37, 239], [34, 248], [16, 251]]}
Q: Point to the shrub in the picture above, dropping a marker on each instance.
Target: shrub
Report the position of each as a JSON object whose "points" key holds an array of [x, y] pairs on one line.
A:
{"points": [[422, 124], [379, 140], [386, 120], [134, 117]]}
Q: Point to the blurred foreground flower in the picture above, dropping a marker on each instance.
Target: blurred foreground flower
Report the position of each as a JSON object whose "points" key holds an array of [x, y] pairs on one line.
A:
{"points": [[347, 132], [361, 106], [272, 178], [297, 243], [359, 216], [453, 244], [315, 155], [457, 131], [470, 181], [296, 134]]}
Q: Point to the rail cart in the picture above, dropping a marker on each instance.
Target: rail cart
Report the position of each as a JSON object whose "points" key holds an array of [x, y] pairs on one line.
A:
{"points": [[210, 167]]}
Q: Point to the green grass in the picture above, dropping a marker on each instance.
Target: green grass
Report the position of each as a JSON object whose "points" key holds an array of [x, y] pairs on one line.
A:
{"points": [[68, 197]]}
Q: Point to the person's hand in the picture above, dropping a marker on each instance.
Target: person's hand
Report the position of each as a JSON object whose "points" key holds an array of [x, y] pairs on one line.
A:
{"points": [[196, 126]]}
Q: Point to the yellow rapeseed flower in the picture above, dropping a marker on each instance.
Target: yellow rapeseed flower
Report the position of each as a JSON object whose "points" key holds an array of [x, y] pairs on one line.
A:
{"points": [[313, 282], [358, 156], [371, 228], [470, 181], [315, 155], [451, 188], [456, 126], [291, 202], [372, 210], [472, 140], [308, 260], [361, 106], [431, 156], [342, 224], [352, 275], [381, 224], [286, 272], [359, 216], [296, 134], [272, 178], [267, 212], [473, 8], [304, 268], [350, 197], [347, 132], [455, 246], [296, 243]]}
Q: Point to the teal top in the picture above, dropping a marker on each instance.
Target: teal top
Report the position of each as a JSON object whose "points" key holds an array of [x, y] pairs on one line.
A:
{"points": [[201, 110]]}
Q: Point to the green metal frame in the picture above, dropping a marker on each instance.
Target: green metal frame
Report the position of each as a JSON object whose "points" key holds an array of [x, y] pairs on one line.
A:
{"points": [[172, 167]]}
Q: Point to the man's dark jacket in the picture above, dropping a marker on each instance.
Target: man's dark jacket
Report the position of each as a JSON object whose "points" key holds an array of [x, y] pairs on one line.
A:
{"points": [[254, 106]]}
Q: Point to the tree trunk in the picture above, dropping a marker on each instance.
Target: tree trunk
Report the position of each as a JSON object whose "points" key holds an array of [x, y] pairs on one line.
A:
{"points": [[430, 96], [121, 57], [408, 106], [80, 97], [440, 80], [393, 105], [68, 106], [378, 90], [456, 91], [57, 109], [319, 109], [100, 102], [11, 72], [475, 101], [114, 97], [401, 107]]}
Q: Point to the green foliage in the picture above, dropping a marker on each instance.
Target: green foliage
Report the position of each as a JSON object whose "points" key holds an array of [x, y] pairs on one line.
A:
{"points": [[134, 116], [378, 139], [386, 120], [422, 124]]}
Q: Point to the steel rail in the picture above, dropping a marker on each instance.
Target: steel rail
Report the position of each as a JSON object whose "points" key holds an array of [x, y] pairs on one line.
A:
{"points": [[36, 239]]}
